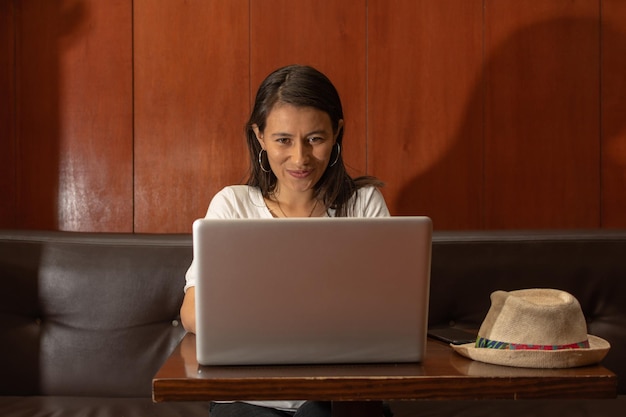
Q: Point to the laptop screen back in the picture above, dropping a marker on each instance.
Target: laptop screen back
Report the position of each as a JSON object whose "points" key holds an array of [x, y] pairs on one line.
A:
{"points": [[314, 290]]}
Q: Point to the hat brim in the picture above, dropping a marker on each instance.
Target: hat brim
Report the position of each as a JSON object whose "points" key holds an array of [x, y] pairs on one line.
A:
{"points": [[568, 358]]}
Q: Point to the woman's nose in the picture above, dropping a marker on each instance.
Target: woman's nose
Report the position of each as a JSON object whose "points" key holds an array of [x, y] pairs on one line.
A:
{"points": [[301, 152]]}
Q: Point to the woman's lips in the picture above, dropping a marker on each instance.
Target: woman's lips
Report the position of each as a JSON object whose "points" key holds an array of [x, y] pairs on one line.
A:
{"points": [[299, 173]]}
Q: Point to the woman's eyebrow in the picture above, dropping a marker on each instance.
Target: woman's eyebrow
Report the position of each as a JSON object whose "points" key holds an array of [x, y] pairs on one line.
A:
{"points": [[314, 132]]}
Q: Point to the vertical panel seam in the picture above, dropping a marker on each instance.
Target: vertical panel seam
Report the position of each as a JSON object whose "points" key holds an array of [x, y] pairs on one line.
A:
{"points": [[367, 100], [483, 77], [600, 120], [14, 118], [250, 92], [133, 117]]}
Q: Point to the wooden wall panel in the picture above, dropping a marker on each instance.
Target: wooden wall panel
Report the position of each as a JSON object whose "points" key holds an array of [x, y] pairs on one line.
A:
{"points": [[95, 121], [613, 193], [191, 103], [128, 115], [542, 149], [8, 166], [74, 115], [425, 108], [328, 35], [38, 28]]}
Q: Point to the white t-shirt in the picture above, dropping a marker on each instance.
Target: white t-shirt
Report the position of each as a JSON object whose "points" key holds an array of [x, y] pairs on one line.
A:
{"points": [[243, 201]]}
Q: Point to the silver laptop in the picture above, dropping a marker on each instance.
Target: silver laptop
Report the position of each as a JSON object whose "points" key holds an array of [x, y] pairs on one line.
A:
{"points": [[312, 291]]}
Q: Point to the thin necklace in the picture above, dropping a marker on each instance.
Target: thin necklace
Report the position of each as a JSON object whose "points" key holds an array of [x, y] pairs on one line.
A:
{"points": [[281, 209]]}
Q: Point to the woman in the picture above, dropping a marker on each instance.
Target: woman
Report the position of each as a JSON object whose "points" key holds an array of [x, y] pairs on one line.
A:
{"points": [[294, 138]]}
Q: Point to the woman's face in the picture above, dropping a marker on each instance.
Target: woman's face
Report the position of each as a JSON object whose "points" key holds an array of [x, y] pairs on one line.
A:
{"points": [[299, 142]]}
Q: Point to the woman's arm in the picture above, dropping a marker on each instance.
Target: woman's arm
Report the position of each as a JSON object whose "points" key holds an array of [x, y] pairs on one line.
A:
{"points": [[188, 310], [230, 202]]}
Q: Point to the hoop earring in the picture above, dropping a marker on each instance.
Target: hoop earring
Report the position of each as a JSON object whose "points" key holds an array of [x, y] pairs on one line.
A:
{"points": [[261, 161], [337, 157]]}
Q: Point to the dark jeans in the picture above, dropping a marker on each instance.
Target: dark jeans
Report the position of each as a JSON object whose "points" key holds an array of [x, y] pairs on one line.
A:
{"points": [[308, 409], [237, 409]]}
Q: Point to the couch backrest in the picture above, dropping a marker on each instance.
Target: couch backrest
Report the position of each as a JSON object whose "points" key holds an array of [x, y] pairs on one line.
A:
{"points": [[97, 314], [88, 314], [468, 266]]}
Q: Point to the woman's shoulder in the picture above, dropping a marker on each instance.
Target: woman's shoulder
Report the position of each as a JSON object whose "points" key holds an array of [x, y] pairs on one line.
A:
{"points": [[369, 193], [368, 190], [237, 201], [239, 191], [369, 202]]}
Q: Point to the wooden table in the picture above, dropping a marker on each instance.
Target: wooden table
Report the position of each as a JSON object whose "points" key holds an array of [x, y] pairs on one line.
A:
{"points": [[360, 389]]}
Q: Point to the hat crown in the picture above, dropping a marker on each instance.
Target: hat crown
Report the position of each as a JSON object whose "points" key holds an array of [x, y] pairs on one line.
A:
{"points": [[534, 317]]}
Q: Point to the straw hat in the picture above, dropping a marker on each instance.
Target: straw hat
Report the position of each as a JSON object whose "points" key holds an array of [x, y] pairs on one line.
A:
{"points": [[535, 328]]}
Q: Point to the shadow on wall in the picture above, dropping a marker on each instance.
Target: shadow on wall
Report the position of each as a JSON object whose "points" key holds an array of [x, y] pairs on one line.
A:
{"points": [[35, 42], [528, 149]]}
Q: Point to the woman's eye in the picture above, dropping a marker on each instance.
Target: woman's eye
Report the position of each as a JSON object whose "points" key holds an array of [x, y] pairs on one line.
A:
{"points": [[282, 140], [315, 139]]}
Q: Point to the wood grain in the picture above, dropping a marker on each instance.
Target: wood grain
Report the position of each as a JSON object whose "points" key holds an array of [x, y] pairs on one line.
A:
{"points": [[542, 107], [424, 130], [191, 103], [37, 112], [8, 143], [483, 114], [613, 142], [74, 109]]}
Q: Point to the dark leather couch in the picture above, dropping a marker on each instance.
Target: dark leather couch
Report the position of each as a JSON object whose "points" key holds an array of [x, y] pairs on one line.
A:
{"points": [[87, 319]]}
